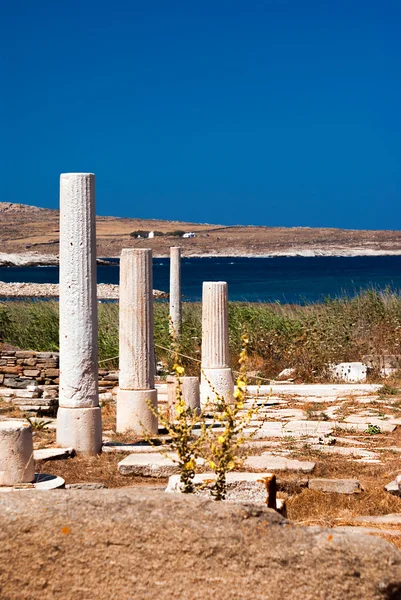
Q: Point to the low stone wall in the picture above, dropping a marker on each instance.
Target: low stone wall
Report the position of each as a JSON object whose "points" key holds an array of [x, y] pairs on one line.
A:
{"points": [[30, 379]]}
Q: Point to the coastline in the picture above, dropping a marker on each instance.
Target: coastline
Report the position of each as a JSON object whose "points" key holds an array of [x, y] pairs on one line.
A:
{"points": [[31, 259], [105, 291]]}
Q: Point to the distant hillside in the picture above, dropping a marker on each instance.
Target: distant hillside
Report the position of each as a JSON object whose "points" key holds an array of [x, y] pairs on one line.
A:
{"points": [[10, 207], [25, 228]]}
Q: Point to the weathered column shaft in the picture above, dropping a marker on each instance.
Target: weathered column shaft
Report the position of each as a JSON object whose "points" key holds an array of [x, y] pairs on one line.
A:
{"points": [[78, 316], [215, 349], [137, 355], [191, 391], [137, 358], [175, 291], [217, 378]]}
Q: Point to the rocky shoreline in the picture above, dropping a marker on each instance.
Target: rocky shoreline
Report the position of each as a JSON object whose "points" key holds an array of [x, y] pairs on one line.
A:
{"points": [[105, 291], [48, 260]]}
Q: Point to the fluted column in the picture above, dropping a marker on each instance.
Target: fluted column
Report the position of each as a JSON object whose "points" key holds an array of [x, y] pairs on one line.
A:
{"points": [[79, 421], [137, 358], [216, 372], [175, 291]]}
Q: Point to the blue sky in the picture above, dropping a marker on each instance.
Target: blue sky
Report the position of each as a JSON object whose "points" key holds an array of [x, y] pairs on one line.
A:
{"points": [[274, 112]]}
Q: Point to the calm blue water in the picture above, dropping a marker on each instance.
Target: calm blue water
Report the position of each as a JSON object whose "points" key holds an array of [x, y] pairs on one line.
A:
{"points": [[286, 280]]}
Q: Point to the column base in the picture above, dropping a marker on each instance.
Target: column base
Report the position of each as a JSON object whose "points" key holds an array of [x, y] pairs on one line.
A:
{"points": [[80, 428], [221, 380], [133, 412]]}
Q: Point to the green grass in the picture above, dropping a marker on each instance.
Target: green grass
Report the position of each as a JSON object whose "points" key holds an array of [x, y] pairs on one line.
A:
{"points": [[307, 338]]}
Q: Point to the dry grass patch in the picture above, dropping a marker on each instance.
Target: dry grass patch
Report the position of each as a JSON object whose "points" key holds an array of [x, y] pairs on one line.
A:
{"points": [[96, 469]]}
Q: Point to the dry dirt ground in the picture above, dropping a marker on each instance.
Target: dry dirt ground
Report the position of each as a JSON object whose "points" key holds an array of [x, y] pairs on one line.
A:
{"points": [[26, 229]]}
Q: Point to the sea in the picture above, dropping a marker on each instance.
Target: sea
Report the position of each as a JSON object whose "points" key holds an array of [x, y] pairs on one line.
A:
{"points": [[286, 280]]}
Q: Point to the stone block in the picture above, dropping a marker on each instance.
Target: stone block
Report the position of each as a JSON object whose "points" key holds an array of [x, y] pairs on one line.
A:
{"points": [[85, 486], [1, 379], [28, 393], [31, 372], [49, 394], [24, 354], [17, 382], [112, 376], [52, 453], [149, 465], [270, 462], [44, 355], [336, 486], [52, 372], [11, 370]]}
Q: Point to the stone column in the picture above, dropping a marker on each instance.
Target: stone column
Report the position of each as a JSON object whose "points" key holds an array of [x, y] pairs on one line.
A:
{"points": [[190, 392], [175, 291], [137, 356], [216, 371], [16, 453], [79, 421]]}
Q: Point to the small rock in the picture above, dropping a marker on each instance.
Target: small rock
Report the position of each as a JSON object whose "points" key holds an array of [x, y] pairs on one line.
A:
{"points": [[393, 488]]}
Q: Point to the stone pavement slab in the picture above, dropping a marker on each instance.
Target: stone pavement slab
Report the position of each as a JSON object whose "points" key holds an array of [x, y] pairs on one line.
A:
{"points": [[52, 453], [270, 462], [338, 486]]}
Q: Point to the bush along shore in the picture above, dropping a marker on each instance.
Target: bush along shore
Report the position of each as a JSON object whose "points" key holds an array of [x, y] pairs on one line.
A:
{"points": [[306, 338]]}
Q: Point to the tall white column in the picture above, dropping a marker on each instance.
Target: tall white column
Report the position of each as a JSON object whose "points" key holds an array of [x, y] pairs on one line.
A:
{"points": [[217, 377], [79, 421], [137, 357], [175, 291]]}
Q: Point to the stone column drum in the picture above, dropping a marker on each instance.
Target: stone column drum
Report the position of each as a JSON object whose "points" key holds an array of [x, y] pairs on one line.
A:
{"points": [[175, 291], [137, 357], [16, 453], [79, 421], [215, 364], [191, 392]]}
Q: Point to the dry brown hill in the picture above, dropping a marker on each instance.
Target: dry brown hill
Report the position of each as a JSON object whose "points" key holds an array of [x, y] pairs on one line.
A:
{"points": [[29, 228]]}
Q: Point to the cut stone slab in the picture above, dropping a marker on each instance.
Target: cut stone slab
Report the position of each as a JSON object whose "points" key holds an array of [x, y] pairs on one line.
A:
{"points": [[335, 486], [284, 413], [269, 462], [114, 447], [241, 487], [312, 391], [357, 452], [85, 486], [385, 427], [149, 465], [52, 453], [309, 428], [391, 519]]}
